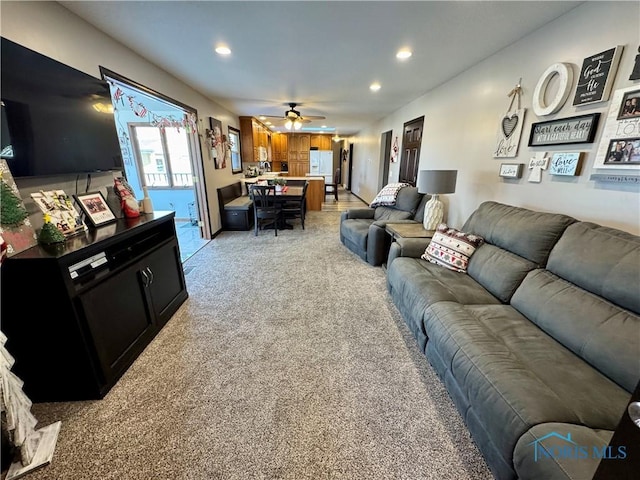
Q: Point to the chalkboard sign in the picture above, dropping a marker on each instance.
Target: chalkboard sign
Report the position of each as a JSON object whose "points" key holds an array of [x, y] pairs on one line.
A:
{"points": [[596, 76]]}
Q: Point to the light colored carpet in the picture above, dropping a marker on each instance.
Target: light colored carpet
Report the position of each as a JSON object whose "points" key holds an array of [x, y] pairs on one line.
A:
{"points": [[288, 361]]}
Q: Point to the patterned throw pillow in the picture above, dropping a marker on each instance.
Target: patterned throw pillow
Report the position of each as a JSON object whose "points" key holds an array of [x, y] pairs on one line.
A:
{"points": [[451, 248]]}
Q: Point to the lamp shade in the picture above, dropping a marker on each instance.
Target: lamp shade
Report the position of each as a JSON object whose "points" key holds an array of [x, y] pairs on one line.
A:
{"points": [[437, 181]]}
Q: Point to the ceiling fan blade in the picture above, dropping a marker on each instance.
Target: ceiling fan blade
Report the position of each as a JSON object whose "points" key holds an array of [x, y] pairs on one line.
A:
{"points": [[315, 117]]}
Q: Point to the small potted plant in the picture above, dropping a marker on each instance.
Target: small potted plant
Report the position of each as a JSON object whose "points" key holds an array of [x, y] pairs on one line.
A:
{"points": [[279, 182]]}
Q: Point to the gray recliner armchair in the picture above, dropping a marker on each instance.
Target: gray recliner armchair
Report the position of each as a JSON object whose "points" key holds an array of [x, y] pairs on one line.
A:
{"points": [[362, 230]]}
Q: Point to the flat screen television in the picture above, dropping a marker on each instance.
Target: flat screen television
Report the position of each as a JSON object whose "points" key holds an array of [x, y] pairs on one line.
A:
{"points": [[55, 119]]}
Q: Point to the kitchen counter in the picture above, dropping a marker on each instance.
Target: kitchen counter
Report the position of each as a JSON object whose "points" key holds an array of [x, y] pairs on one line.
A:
{"points": [[315, 191]]}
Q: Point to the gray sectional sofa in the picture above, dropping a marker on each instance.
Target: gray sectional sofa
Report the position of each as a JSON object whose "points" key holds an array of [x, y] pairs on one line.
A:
{"points": [[538, 343], [362, 230]]}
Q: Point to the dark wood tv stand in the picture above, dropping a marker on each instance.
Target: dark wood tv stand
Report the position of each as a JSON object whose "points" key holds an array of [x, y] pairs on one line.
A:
{"points": [[92, 305]]}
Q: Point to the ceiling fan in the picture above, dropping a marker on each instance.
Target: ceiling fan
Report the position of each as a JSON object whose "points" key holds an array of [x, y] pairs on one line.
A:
{"points": [[293, 119]]}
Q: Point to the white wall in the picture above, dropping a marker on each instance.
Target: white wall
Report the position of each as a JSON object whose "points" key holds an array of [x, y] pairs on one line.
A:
{"points": [[461, 121], [49, 28]]}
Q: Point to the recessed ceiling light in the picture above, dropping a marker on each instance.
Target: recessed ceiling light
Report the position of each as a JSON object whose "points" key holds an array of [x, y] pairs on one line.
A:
{"points": [[324, 126], [223, 50], [374, 87], [262, 117], [403, 54]]}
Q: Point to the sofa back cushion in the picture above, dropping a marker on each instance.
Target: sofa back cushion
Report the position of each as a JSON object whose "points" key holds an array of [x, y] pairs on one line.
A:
{"points": [[517, 240], [588, 299], [407, 201]]}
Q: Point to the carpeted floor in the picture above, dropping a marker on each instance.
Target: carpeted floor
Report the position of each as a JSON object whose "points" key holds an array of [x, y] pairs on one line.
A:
{"points": [[288, 361]]}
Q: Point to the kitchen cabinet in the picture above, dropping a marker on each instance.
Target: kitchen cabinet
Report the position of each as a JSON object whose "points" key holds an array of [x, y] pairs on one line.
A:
{"points": [[299, 145], [321, 141], [98, 300], [255, 136], [279, 150]]}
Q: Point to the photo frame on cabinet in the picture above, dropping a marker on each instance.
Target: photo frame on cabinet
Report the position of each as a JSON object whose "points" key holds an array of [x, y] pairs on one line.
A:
{"points": [[96, 209]]}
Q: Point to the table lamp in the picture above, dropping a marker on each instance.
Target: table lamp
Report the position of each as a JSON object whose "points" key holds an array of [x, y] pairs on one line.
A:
{"points": [[434, 183]]}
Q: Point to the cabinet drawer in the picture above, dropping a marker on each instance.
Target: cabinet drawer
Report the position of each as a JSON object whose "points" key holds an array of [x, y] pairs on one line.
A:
{"points": [[238, 219]]}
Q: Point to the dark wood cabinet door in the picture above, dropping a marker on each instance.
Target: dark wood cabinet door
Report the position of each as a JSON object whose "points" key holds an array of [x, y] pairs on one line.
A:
{"points": [[410, 159], [119, 320], [165, 280]]}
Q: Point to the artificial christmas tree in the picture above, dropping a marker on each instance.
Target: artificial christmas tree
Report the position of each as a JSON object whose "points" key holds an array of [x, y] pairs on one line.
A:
{"points": [[12, 212], [33, 448], [49, 233]]}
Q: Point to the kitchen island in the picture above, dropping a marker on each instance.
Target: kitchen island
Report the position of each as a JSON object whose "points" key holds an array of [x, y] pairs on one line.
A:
{"points": [[315, 191]]}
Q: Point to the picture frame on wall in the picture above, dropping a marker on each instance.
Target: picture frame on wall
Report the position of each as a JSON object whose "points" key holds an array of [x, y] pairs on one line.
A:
{"points": [[618, 129], [565, 131], [511, 170], [630, 105], [565, 164], [623, 151], [95, 208]]}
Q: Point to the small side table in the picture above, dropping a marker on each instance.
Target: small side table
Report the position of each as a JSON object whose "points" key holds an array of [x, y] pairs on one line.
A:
{"points": [[408, 230]]}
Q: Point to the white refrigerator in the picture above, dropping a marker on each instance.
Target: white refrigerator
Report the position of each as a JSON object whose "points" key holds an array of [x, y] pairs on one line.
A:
{"points": [[321, 164]]}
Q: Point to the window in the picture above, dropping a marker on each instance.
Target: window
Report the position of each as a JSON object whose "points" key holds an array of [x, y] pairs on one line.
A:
{"points": [[163, 156], [234, 143]]}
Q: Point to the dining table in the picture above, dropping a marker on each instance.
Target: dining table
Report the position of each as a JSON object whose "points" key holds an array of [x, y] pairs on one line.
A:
{"points": [[287, 194]]}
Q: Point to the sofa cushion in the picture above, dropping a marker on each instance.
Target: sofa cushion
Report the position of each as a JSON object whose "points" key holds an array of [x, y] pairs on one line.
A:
{"points": [[515, 375], [559, 451], [407, 202], [612, 269], [240, 203], [451, 248], [356, 230], [388, 195], [527, 233], [415, 283], [603, 334]]}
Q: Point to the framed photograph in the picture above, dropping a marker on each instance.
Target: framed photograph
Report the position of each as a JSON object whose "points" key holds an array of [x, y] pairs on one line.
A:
{"points": [[623, 151], [580, 129], [511, 170], [95, 208], [630, 105]]}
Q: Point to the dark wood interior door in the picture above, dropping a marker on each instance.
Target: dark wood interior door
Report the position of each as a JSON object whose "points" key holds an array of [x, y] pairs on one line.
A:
{"points": [[411, 140]]}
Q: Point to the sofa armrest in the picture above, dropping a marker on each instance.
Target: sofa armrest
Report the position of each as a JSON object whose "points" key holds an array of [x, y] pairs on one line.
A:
{"points": [[407, 247], [359, 213], [384, 223], [378, 241]]}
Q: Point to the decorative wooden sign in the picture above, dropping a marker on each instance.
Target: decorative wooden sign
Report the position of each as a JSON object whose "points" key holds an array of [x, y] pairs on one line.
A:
{"points": [[601, 177], [635, 73], [580, 129], [566, 164], [510, 127], [596, 76], [511, 170], [565, 77], [538, 163]]}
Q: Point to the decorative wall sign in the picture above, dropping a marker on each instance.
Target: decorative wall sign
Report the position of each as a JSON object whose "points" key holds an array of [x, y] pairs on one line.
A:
{"points": [[635, 73], [601, 177], [619, 128], [537, 163], [565, 78], [563, 131], [510, 127], [596, 76], [565, 164], [511, 170]]}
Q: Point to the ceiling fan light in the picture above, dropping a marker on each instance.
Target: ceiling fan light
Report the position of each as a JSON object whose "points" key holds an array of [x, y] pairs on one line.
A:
{"points": [[297, 125], [288, 124]]}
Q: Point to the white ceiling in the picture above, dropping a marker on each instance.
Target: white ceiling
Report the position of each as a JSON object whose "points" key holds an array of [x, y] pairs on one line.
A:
{"points": [[321, 54]]}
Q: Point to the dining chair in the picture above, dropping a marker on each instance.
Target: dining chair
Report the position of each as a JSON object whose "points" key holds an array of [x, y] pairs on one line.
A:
{"points": [[265, 209], [332, 188], [298, 208]]}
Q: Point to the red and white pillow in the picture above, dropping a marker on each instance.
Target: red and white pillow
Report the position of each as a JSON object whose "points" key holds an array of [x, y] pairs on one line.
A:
{"points": [[451, 248]]}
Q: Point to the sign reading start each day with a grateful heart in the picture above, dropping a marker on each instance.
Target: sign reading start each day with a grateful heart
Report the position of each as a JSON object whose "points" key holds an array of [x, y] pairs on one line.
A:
{"points": [[510, 128]]}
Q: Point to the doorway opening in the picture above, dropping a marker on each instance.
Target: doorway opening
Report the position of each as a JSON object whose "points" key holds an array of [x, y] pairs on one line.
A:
{"points": [[161, 153], [385, 159]]}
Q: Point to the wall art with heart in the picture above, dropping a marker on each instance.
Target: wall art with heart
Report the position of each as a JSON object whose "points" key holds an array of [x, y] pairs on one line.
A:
{"points": [[509, 132]]}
